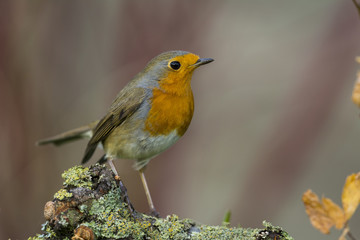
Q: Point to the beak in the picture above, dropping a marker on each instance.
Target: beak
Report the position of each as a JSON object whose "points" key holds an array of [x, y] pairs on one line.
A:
{"points": [[202, 61]]}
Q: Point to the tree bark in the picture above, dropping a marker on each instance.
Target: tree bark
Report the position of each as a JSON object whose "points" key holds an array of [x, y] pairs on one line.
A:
{"points": [[92, 205]]}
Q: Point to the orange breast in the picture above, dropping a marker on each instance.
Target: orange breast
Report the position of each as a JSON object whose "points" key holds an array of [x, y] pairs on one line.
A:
{"points": [[170, 111]]}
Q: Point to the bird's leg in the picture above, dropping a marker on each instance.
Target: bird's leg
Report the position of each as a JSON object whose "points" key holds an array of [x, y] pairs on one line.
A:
{"points": [[122, 187], [153, 211], [111, 164]]}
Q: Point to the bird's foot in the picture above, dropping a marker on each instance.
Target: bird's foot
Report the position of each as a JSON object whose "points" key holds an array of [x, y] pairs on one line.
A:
{"points": [[154, 213]]}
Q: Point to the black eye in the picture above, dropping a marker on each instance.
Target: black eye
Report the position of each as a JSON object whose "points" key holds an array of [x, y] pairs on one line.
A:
{"points": [[175, 65]]}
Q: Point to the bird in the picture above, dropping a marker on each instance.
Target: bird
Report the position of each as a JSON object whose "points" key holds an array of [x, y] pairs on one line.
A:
{"points": [[147, 116]]}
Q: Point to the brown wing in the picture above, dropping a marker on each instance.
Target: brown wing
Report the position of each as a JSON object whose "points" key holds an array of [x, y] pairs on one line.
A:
{"points": [[126, 103]]}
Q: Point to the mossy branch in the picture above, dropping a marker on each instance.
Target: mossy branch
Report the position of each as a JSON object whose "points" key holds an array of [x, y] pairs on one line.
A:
{"points": [[91, 206]]}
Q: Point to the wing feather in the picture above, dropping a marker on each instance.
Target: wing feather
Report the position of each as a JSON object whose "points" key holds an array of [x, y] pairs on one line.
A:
{"points": [[124, 106]]}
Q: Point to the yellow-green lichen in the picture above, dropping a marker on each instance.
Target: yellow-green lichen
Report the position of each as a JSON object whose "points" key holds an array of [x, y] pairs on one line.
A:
{"points": [[270, 229], [172, 228], [48, 233], [83, 208], [110, 218], [62, 194], [113, 220], [37, 237], [221, 232], [77, 176], [110, 203]]}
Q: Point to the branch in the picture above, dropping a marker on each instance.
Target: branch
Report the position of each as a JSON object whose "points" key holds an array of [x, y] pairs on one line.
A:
{"points": [[91, 205]]}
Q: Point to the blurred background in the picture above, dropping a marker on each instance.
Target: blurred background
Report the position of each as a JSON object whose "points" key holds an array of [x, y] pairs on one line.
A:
{"points": [[273, 115]]}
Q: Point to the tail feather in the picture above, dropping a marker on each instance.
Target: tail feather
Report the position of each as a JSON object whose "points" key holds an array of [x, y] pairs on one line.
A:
{"points": [[69, 136], [90, 149]]}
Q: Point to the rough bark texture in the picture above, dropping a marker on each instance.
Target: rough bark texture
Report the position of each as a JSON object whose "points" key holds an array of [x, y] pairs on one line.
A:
{"points": [[91, 205]]}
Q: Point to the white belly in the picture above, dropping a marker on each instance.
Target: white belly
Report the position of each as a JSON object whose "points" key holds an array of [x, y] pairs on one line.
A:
{"points": [[141, 148]]}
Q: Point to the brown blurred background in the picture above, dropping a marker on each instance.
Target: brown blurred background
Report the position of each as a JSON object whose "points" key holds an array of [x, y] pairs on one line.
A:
{"points": [[273, 115]]}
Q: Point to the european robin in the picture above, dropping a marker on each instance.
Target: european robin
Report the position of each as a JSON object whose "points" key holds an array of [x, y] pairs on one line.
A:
{"points": [[148, 115]]}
